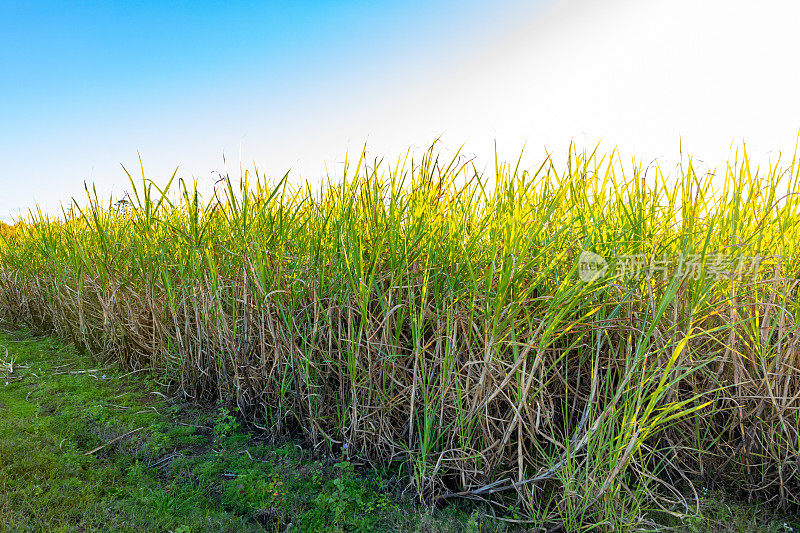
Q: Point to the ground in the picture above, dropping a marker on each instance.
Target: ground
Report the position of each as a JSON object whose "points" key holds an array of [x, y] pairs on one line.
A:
{"points": [[85, 447]]}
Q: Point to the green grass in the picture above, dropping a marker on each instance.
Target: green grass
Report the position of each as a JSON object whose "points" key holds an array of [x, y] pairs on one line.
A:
{"points": [[432, 321]]}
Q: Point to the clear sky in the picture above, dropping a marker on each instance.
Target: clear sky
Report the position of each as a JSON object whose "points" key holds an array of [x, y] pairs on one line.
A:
{"points": [[85, 86]]}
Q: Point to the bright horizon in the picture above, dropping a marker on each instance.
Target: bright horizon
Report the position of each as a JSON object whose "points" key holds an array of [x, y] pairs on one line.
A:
{"points": [[295, 86]]}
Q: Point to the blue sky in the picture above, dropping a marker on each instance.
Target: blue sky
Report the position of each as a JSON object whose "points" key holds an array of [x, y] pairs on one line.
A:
{"points": [[83, 82], [64, 59], [85, 86]]}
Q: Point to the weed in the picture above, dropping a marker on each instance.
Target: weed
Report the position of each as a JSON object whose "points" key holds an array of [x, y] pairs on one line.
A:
{"points": [[227, 428]]}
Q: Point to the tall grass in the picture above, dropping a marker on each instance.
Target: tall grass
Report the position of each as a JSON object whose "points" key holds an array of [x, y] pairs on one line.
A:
{"points": [[425, 315]]}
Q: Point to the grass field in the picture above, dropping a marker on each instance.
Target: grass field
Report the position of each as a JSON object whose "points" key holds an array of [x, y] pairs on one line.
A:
{"points": [[88, 448], [430, 321]]}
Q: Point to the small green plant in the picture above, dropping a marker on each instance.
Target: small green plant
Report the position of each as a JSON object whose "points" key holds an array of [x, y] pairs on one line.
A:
{"points": [[226, 427], [254, 491], [473, 522], [343, 503]]}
